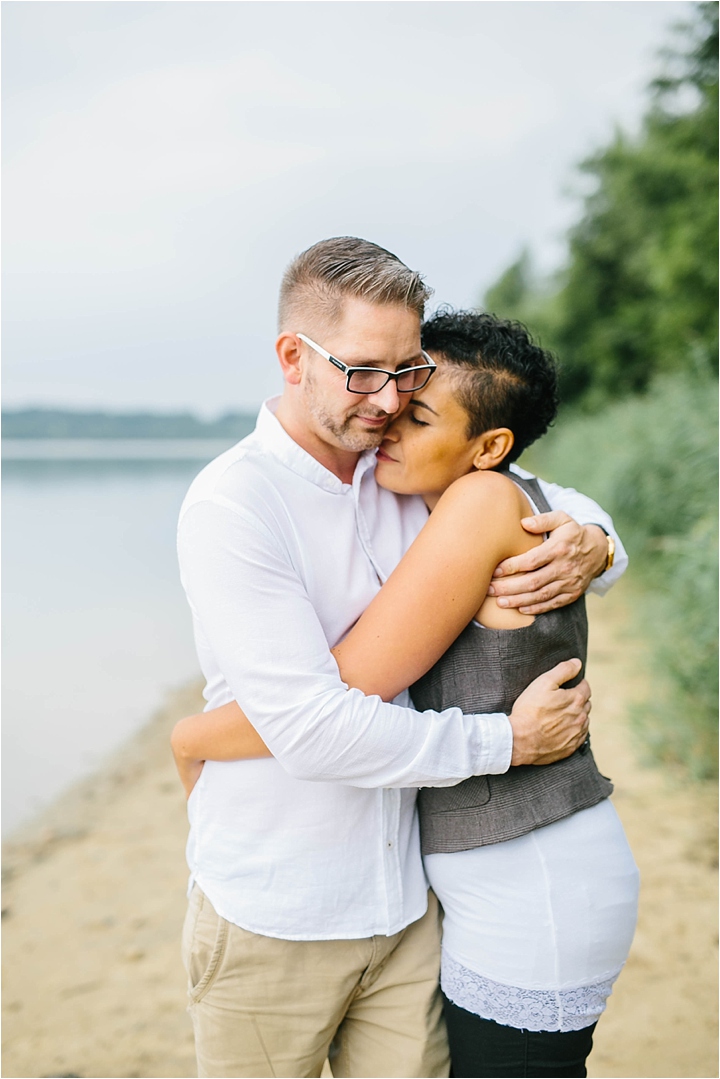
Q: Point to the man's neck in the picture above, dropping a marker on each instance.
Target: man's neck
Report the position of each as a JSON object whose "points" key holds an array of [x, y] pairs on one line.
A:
{"points": [[335, 459]]}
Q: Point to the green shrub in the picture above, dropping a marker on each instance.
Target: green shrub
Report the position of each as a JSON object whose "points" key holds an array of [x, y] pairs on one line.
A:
{"points": [[651, 461]]}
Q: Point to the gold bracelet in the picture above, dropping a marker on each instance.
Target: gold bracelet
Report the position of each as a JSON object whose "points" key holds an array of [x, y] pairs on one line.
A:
{"points": [[610, 554]]}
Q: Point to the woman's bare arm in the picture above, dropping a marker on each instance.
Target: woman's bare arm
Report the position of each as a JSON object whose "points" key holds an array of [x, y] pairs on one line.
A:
{"points": [[438, 586], [424, 605], [222, 734]]}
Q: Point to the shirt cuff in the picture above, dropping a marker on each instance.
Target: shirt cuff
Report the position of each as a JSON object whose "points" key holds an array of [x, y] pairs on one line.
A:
{"points": [[494, 744]]}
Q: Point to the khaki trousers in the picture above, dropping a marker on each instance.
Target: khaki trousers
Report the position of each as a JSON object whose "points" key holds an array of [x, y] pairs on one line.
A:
{"points": [[261, 1006]]}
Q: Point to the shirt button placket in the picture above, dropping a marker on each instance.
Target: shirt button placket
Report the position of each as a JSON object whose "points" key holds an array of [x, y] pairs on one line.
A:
{"points": [[393, 876]]}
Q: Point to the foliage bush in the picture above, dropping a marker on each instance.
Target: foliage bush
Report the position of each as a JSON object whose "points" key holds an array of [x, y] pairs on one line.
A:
{"points": [[633, 317], [651, 461]]}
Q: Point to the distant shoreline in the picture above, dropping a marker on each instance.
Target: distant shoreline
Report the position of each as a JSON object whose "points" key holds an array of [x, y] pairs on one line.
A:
{"points": [[114, 449], [61, 424]]}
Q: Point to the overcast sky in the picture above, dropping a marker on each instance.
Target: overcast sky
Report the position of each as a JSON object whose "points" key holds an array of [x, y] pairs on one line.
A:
{"points": [[162, 162]]}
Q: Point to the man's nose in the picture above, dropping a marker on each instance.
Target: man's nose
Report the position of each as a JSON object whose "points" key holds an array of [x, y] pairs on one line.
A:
{"points": [[388, 398]]}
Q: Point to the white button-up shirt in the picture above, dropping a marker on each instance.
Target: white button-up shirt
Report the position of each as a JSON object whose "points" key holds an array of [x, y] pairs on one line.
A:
{"points": [[279, 558]]}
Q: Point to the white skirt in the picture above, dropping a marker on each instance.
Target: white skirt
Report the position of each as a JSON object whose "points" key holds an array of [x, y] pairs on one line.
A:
{"points": [[537, 929]]}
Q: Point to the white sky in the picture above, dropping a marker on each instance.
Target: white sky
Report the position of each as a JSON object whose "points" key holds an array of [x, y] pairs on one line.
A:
{"points": [[163, 161]]}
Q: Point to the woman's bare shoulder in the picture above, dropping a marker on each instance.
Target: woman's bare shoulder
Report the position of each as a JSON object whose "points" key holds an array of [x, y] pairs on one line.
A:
{"points": [[478, 517], [479, 491]]}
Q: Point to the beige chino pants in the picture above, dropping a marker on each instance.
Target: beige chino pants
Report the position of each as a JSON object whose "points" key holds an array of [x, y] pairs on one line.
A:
{"points": [[261, 1006]]}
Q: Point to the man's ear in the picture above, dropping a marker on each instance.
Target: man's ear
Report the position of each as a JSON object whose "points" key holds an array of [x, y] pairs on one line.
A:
{"points": [[288, 347], [493, 447]]}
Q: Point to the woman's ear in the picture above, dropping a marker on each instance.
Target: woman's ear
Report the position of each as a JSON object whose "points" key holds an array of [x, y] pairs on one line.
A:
{"points": [[492, 448], [289, 353]]}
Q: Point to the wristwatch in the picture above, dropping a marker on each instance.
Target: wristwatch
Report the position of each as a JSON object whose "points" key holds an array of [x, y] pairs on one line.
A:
{"points": [[610, 551]]}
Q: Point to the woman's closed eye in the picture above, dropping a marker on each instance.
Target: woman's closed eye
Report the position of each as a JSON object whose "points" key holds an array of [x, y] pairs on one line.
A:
{"points": [[418, 423]]}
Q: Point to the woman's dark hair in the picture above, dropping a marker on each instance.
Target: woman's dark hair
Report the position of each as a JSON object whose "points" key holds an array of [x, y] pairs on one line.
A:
{"points": [[505, 380]]}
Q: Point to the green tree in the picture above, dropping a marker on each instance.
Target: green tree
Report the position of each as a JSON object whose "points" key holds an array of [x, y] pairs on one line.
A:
{"points": [[633, 316], [520, 294], [513, 289], [639, 293]]}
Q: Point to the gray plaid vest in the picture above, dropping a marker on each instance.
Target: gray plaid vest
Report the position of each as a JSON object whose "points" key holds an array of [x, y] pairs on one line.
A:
{"points": [[485, 670]]}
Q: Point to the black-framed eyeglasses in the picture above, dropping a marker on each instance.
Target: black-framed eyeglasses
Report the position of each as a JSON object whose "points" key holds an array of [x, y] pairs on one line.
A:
{"points": [[374, 379]]}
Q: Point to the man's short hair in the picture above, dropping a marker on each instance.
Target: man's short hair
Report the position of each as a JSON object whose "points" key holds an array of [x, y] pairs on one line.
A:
{"points": [[317, 281]]}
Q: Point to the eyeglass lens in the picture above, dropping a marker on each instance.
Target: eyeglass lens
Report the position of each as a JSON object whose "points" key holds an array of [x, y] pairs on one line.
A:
{"points": [[369, 381]]}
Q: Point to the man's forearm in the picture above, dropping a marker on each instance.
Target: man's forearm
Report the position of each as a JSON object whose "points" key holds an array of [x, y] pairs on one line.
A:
{"points": [[545, 727], [586, 511], [347, 737], [595, 542]]}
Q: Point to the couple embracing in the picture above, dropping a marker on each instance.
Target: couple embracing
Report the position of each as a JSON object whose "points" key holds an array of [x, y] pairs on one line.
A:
{"points": [[345, 552]]}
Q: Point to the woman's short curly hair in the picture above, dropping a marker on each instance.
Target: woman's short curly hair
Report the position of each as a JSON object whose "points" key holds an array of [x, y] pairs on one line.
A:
{"points": [[503, 378]]}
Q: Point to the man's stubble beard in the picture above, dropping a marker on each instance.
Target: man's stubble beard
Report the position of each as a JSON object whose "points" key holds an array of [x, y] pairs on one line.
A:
{"points": [[344, 431]]}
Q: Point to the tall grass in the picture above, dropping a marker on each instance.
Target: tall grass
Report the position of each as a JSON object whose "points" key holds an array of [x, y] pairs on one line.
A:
{"points": [[651, 461]]}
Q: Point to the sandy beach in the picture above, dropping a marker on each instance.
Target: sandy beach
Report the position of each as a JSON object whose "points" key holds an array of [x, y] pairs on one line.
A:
{"points": [[94, 899]]}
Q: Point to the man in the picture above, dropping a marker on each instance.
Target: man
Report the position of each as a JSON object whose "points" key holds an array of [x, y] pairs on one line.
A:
{"points": [[309, 921]]}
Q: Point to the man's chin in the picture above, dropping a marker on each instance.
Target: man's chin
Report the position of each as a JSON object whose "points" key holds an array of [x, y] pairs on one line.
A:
{"points": [[358, 437]]}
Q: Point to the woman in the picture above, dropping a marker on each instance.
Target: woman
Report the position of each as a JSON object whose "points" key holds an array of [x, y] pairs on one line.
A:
{"points": [[532, 868]]}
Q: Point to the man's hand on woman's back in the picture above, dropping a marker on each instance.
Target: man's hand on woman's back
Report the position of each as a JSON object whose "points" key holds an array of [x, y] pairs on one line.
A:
{"points": [[558, 571], [550, 722]]}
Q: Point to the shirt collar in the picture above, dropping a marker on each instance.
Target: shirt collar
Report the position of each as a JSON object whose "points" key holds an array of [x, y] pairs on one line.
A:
{"points": [[275, 439]]}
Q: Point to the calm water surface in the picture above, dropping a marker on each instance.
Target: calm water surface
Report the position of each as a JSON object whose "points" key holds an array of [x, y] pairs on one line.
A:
{"points": [[95, 624]]}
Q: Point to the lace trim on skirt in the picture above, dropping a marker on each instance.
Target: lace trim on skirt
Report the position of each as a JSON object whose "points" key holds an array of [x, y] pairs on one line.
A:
{"points": [[525, 1009]]}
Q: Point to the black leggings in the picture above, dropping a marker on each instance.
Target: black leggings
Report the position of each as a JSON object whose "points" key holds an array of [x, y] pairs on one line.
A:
{"points": [[481, 1047]]}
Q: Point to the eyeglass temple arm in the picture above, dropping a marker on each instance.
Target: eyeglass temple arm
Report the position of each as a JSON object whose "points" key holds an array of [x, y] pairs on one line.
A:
{"points": [[324, 353]]}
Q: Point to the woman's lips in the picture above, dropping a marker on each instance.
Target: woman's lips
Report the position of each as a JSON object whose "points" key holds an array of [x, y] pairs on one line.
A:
{"points": [[383, 456]]}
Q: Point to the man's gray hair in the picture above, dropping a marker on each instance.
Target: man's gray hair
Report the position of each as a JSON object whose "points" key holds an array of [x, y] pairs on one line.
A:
{"points": [[317, 281]]}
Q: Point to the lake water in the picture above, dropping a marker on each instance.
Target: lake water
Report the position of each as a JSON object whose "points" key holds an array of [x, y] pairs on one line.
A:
{"points": [[96, 628]]}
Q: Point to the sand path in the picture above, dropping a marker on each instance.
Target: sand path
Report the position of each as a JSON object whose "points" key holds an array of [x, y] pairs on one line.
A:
{"points": [[94, 900]]}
